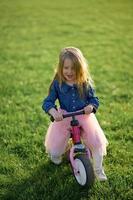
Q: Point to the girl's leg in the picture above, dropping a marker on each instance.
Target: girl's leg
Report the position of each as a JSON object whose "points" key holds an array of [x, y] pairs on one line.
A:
{"points": [[97, 164], [92, 134], [96, 141], [56, 140]]}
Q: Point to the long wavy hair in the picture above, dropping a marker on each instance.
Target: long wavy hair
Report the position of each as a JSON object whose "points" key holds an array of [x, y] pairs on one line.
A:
{"points": [[83, 77]]}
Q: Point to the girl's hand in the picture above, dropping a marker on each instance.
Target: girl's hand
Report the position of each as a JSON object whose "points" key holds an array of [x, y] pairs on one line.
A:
{"points": [[56, 115], [88, 109]]}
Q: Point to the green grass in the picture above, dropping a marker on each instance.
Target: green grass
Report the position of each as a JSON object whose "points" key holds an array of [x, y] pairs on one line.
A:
{"points": [[31, 36]]}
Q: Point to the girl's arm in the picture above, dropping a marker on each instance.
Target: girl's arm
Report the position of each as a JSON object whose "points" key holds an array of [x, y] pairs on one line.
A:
{"points": [[49, 101], [93, 101]]}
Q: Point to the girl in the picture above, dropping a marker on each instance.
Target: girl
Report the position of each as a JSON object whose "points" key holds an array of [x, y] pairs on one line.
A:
{"points": [[72, 86]]}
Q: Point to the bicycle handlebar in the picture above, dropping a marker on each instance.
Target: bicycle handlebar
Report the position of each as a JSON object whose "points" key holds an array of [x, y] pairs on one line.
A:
{"points": [[81, 112]]}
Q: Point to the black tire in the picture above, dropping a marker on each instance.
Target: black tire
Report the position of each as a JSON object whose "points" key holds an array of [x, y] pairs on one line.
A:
{"points": [[87, 168]]}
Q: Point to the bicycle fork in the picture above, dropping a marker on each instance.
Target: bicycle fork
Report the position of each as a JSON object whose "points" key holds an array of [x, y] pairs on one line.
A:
{"points": [[78, 147]]}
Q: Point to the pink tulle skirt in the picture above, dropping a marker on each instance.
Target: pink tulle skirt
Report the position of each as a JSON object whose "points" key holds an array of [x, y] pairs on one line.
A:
{"points": [[57, 136]]}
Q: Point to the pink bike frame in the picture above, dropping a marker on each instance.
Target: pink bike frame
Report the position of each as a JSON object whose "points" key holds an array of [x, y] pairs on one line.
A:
{"points": [[75, 134], [76, 138]]}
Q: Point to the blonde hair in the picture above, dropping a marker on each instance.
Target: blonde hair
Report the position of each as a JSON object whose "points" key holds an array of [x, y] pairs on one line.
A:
{"points": [[80, 64]]}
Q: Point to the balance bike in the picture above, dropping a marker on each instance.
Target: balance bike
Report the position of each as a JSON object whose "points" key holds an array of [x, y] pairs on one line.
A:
{"points": [[79, 155]]}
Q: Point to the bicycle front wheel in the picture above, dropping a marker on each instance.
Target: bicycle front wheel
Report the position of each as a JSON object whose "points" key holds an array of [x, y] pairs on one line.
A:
{"points": [[84, 173]]}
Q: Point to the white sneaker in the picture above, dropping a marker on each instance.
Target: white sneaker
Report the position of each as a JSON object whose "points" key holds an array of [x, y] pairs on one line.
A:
{"points": [[100, 174], [56, 159]]}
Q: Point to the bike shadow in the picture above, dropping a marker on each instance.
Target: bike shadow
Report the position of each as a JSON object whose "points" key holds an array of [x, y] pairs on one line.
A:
{"points": [[49, 182]]}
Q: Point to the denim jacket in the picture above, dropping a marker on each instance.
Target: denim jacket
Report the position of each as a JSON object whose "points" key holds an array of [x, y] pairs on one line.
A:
{"points": [[69, 98]]}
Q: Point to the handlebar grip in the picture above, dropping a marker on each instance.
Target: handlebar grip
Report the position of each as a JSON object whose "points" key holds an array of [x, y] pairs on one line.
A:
{"points": [[51, 118]]}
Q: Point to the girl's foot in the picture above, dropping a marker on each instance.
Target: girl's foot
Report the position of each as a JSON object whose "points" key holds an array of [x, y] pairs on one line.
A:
{"points": [[100, 174], [56, 159]]}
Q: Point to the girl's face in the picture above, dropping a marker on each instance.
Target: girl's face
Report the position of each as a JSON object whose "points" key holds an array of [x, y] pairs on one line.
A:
{"points": [[69, 72]]}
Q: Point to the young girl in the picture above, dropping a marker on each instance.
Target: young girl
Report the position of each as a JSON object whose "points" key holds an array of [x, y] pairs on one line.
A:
{"points": [[72, 86]]}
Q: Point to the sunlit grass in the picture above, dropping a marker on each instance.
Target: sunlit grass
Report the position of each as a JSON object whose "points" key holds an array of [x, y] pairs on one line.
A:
{"points": [[31, 36]]}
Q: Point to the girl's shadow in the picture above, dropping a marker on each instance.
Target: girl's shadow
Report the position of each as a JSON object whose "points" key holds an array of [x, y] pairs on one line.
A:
{"points": [[48, 182]]}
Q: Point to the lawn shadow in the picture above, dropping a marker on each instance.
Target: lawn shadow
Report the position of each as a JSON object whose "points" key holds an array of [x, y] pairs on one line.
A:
{"points": [[49, 182]]}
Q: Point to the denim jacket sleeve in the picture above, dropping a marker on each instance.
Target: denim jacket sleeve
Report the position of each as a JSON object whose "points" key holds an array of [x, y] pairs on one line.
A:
{"points": [[92, 99], [49, 101]]}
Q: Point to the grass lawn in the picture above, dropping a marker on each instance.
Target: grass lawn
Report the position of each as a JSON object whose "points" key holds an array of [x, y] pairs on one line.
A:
{"points": [[31, 36]]}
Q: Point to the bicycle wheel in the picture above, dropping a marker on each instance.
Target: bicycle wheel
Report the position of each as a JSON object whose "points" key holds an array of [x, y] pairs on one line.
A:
{"points": [[84, 173]]}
